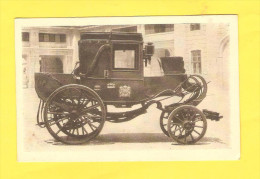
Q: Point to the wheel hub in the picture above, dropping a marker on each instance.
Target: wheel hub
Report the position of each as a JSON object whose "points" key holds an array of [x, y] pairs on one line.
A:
{"points": [[188, 125], [74, 114]]}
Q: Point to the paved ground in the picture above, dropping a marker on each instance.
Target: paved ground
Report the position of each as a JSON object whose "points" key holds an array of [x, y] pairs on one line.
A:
{"points": [[142, 132]]}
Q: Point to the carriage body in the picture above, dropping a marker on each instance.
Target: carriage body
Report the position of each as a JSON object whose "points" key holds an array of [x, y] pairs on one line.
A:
{"points": [[102, 69], [111, 71]]}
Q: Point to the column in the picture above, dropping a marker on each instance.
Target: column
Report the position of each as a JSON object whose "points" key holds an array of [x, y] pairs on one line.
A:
{"points": [[34, 56], [75, 53]]}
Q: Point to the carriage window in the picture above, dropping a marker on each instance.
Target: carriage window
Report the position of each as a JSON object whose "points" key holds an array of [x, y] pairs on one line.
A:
{"points": [[124, 59], [125, 56]]}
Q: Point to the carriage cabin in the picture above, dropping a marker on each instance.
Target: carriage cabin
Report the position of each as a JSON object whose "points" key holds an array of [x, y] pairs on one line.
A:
{"points": [[113, 65]]}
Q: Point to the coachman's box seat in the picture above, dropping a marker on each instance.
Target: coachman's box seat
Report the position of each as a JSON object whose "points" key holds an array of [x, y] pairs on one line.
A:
{"points": [[172, 65]]}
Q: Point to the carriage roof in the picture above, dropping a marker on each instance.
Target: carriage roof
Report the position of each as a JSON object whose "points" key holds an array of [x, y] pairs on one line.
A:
{"points": [[111, 36]]}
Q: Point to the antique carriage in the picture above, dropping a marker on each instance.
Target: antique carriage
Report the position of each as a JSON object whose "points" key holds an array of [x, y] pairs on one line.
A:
{"points": [[74, 107]]}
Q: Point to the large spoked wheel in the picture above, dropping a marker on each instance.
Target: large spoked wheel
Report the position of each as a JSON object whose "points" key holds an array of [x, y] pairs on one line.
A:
{"points": [[164, 122], [187, 124], [74, 114]]}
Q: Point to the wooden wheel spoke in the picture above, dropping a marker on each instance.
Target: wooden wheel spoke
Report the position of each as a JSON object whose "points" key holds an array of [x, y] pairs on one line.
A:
{"points": [[191, 137], [84, 130], [181, 132], [191, 117], [56, 122], [62, 105], [92, 126], [178, 118], [89, 108], [173, 123], [57, 113], [183, 116], [84, 104], [177, 130], [197, 120], [196, 131], [79, 98], [198, 126], [185, 138]]}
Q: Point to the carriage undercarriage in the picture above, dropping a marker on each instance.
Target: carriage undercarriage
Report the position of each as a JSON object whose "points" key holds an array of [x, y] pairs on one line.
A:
{"points": [[75, 114]]}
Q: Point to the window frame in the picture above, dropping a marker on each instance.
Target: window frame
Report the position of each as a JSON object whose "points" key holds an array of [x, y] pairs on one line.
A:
{"points": [[154, 26], [61, 36], [127, 27], [197, 61], [23, 39], [194, 26], [136, 62]]}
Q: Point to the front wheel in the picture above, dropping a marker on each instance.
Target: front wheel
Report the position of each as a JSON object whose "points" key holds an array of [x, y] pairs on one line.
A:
{"points": [[186, 124], [74, 114], [164, 121]]}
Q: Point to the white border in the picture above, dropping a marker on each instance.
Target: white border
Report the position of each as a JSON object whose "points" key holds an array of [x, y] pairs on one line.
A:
{"points": [[232, 153]]}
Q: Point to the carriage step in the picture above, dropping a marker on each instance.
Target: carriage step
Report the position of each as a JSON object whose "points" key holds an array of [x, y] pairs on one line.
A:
{"points": [[214, 116]]}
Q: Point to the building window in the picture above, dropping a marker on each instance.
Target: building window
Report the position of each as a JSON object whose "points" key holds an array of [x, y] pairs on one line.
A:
{"points": [[126, 29], [62, 38], [44, 37], [158, 28], [25, 36], [196, 61], [194, 27]]}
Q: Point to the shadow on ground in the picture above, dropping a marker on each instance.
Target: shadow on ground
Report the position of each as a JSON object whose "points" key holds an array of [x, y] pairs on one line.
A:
{"points": [[113, 138]]}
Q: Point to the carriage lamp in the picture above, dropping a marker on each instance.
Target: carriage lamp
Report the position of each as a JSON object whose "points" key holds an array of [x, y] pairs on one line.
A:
{"points": [[148, 52]]}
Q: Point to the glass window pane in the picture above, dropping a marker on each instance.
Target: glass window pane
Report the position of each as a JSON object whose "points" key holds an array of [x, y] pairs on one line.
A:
{"points": [[62, 38], [57, 38], [52, 37], [41, 37], [126, 29], [46, 37], [25, 36], [158, 28], [194, 27], [196, 61], [124, 59]]}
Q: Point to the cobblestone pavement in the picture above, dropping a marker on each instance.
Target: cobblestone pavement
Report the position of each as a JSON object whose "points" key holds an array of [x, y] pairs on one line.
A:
{"points": [[142, 132]]}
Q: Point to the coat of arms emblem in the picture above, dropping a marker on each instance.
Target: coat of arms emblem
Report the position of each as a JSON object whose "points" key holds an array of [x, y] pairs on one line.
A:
{"points": [[124, 91]]}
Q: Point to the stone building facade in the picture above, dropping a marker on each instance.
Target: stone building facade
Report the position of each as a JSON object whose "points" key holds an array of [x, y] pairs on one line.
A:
{"points": [[48, 50], [204, 48]]}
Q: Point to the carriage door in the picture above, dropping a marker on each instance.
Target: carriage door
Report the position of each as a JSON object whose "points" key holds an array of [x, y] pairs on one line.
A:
{"points": [[127, 70]]}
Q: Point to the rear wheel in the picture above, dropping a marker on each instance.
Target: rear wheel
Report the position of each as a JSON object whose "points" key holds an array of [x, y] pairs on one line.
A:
{"points": [[74, 114], [186, 124], [164, 122]]}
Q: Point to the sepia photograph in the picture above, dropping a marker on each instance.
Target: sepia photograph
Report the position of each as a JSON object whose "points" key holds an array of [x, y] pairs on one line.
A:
{"points": [[152, 88]]}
